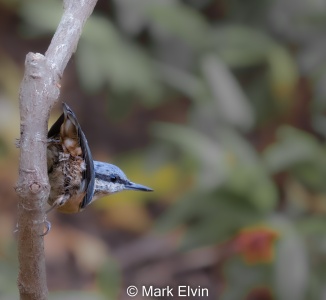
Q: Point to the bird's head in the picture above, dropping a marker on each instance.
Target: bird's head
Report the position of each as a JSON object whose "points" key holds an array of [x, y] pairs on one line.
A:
{"points": [[110, 179]]}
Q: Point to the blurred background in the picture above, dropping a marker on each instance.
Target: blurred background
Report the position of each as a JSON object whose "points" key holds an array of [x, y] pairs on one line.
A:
{"points": [[219, 106]]}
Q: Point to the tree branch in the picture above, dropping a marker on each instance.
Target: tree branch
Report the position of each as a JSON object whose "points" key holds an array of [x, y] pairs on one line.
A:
{"points": [[39, 91]]}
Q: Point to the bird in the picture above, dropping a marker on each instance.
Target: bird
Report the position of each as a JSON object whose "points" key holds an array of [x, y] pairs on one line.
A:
{"points": [[77, 180]]}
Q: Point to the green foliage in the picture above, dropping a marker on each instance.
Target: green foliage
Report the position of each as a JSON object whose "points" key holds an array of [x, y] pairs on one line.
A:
{"points": [[231, 103], [239, 285], [211, 158], [181, 22], [293, 147], [76, 295], [114, 61], [300, 153], [42, 17], [237, 64], [232, 190], [109, 279], [8, 269], [241, 46], [291, 262], [8, 275]]}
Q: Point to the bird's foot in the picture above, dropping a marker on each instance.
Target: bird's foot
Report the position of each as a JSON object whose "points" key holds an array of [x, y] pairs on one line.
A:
{"points": [[47, 225]]}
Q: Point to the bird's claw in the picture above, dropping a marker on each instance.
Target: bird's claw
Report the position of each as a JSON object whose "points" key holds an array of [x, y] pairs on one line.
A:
{"points": [[47, 228]]}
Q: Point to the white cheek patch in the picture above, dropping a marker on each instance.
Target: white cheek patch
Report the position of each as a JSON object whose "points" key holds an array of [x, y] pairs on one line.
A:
{"points": [[115, 187]]}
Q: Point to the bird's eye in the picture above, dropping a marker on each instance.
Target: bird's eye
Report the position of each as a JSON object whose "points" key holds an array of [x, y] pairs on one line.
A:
{"points": [[113, 178]]}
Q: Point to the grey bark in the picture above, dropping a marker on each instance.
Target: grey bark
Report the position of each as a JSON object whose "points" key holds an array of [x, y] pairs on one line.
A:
{"points": [[39, 91]]}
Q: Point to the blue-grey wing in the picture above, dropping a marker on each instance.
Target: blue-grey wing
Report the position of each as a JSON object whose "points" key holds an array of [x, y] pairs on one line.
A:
{"points": [[89, 173]]}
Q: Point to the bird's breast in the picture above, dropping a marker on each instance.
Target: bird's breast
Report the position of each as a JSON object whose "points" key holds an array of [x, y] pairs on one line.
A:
{"points": [[66, 179], [72, 205]]}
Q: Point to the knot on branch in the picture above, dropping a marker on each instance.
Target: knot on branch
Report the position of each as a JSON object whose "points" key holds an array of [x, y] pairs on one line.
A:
{"points": [[34, 187], [35, 62], [46, 72]]}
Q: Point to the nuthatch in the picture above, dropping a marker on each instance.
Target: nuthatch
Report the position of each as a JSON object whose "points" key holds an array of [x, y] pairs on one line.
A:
{"points": [[76, 180]]}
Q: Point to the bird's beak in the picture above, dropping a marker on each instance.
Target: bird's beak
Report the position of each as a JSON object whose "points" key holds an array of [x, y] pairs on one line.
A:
{"points": [[137, 187]]}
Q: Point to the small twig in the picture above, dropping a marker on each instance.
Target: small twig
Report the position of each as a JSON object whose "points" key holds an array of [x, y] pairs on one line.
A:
{"points": [[39, 91]]}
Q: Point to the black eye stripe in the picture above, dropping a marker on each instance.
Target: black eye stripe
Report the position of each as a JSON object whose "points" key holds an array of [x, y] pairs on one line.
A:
{"points": [[110, 178]]}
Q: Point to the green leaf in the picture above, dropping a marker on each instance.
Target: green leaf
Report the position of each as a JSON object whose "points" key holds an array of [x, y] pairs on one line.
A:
{"points": [[42, 16], [293, 146], [105, 57], [301, 154], [210, 155], [180, 21], [312, 173], [180, 213], [241, 278], [241, 46], [291, 273], [89, 68], [211, 217], [254, 186], [313, 225], [283, 75], [231, 103], [109, 279], [131, 14], [248, 177], [217, 218], [184, 81]]}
